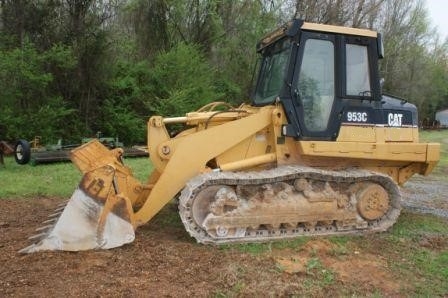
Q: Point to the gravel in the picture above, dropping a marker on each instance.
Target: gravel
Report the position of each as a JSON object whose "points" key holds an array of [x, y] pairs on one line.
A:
{"points": [[427, 195]]}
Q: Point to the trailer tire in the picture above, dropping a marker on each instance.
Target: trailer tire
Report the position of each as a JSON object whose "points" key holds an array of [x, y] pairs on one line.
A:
{"points": [[22, 152]]}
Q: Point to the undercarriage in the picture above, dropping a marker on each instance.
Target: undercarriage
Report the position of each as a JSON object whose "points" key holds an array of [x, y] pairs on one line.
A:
{"points": [[285, 202]]}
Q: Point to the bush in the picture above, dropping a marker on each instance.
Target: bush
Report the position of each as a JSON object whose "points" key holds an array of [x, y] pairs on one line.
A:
{"points": [[30, 104], [181, 81]]}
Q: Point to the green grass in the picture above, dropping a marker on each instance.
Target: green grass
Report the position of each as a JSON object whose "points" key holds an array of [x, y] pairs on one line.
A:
{"points": [[52, 180], [415, 248], [421, 242], [411, 226], [320, 276], [261, 248]]}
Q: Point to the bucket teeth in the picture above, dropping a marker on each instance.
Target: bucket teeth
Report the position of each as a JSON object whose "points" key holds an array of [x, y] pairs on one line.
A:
{"points": [[37, 237], [51, 220], [28, 249], [78, 227], [59, 209], [44, 228], [63, 204], [56, 214]]}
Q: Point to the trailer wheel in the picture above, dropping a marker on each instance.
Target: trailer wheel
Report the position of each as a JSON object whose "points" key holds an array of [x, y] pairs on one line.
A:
{"points": [[22, 152]]}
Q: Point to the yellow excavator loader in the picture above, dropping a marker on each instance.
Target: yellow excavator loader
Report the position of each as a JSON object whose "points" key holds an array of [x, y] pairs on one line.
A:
{"points": [[320, 151]]}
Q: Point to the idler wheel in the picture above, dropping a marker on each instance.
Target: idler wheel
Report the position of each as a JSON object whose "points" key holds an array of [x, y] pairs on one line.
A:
{"points": [[201, 204], [373, 201], [222, 231]]}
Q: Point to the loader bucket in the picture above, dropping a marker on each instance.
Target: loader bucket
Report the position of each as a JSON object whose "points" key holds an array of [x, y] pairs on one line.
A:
{"points": [[99, 213], [79, 228]]}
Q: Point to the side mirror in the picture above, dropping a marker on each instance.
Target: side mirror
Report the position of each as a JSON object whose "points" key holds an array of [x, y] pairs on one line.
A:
{"points": [[380, 46]]}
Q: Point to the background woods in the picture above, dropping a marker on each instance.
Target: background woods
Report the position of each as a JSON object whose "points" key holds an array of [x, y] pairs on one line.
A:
{"points": [[69, 68]]}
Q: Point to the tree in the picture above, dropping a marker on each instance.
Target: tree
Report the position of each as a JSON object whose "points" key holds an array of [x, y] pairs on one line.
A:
{"points": [[355, 13], [27, 97], [70, 68]]}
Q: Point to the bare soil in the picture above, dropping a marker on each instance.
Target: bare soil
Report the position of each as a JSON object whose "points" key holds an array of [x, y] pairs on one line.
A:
{"points": [[165, 261]]}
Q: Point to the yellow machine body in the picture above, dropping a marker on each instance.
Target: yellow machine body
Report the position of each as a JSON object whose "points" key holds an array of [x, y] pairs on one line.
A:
{"points": [[242, 178]]}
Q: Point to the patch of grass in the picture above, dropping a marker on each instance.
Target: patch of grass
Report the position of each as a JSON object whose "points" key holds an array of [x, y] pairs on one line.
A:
{"points": [[18, 181], [264, 247], [412, 257], [339, 250], [341, 245], [233, 280], [317, 275], [411, 226], [56, 179], [238, 287], [428, 271], [294, 243], [141, 167], [168, 217], [340, 240], [220, 294], [251, 248]]}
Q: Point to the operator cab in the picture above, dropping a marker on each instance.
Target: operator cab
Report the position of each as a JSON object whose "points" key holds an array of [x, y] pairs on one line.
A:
{"points": [[324, 76]]}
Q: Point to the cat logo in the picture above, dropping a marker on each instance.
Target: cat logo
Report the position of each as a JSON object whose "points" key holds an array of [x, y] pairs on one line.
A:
{"points": [[394, 119]]}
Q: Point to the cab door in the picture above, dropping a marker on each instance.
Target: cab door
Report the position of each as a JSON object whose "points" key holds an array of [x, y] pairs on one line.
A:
{"points": [[315, 86]]}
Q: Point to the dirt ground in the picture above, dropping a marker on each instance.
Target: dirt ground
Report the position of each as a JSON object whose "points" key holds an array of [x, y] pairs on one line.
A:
{"points": [[165, 261]]}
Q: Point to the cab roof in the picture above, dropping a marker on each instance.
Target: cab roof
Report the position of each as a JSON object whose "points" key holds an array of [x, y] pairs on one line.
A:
{"points": [[297, 24]]}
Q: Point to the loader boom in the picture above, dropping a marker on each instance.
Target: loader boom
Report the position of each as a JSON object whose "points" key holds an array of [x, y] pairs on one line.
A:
{"points": [[188, 156]]}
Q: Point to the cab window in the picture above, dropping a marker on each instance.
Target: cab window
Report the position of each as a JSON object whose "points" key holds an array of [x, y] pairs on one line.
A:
{"points": [[357, 70], [272, 72]]}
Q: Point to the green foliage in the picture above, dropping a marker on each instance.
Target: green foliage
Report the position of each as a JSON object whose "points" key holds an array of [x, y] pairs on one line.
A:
{"points": [[22, 76], [234, 54], [181, 81], [49, 120], [59, 57], [320, 275], [78, 67], [31, 106], [260, 248], [120, 121], [123, 112]]}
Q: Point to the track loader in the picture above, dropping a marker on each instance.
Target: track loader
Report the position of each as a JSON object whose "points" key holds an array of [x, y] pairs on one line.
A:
{"points": [[319, 151]]}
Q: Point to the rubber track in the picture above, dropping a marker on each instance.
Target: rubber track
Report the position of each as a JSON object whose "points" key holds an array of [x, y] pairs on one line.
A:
{"points": [[285, 173]]}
